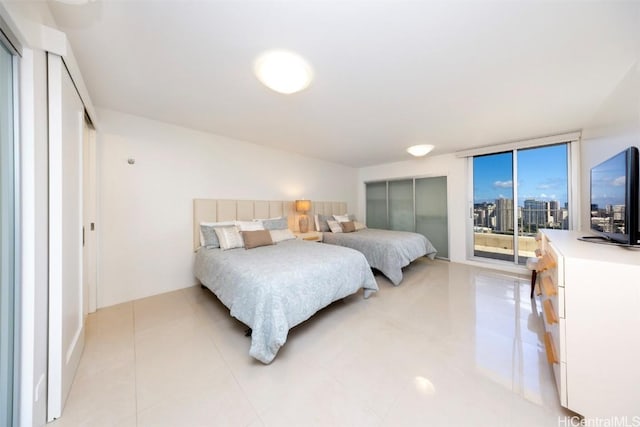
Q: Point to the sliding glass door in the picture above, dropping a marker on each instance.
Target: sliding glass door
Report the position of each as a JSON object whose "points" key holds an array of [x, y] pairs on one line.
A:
{"points": [[515, 193], [543, 194], [493, 222], [7, 240]]}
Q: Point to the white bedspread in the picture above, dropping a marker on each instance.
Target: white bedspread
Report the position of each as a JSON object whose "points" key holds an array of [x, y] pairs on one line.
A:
{"points": [[273, 288]]}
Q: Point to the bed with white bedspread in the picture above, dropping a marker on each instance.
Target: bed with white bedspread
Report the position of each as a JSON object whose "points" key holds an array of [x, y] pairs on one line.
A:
{"points": [[273, 288], [386, 250]]}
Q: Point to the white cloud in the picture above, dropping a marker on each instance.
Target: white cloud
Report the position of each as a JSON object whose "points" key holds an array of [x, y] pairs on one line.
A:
{"points": [[619, 181], [503, 184]]}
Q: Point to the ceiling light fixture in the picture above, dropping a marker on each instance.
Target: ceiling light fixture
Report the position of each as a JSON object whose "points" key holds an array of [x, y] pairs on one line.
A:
{"points": [[283, 71], [420, 150]]}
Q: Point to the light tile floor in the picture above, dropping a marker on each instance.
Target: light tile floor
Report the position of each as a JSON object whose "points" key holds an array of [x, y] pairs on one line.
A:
{"points": [[453, 345]]}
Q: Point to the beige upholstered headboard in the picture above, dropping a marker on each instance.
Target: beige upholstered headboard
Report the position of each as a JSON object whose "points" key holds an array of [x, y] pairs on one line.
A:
{"points": [[215, 210]]}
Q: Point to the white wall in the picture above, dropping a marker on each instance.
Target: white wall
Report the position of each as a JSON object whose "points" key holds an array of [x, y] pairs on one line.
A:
{"points": [[615, 127], [444, 165], [145, 210]]}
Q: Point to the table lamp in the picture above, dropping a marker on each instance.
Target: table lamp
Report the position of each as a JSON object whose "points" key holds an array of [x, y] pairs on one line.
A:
{"points": [[303, 206]]}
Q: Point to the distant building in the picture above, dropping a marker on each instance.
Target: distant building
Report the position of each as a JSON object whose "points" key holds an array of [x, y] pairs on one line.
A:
{"points": [[504, 215], [534, 214], [555, 213], [482, 214]]}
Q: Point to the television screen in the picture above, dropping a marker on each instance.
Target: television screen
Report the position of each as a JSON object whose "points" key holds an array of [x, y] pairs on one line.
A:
{"points": [[614, 197]]}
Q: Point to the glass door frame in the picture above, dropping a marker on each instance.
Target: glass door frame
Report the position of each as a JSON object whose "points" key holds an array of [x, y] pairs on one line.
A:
{"points": [[11, 402], [573, 191]]}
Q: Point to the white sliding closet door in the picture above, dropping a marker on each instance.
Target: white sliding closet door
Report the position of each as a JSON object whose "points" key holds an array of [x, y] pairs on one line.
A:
{"points": [[66, 300]]}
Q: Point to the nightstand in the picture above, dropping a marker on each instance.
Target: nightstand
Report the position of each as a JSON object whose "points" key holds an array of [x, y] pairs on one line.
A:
{"points": [[312, 236]]}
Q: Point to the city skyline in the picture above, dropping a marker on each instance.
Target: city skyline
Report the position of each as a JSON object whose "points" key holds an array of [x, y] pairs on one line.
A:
{"points": [[542, 176]]}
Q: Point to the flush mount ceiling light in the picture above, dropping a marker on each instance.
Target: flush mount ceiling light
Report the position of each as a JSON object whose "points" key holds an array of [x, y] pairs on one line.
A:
{"points": [[420, 150], [283, 71]]}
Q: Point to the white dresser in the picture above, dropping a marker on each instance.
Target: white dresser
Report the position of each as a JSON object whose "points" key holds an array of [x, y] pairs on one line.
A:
{"points": [[590, 299]]}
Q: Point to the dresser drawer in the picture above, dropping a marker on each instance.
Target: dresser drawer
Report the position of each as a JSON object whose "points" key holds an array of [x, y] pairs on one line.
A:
{"points": [[559, 366], [555, 327], [556, 269], [553, 293]]}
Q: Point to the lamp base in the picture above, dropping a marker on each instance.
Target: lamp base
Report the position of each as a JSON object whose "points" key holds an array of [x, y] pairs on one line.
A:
{"points": [[303, 223]]}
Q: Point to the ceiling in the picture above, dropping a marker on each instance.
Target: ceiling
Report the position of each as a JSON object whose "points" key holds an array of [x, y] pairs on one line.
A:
{"points": [[388, 74]]}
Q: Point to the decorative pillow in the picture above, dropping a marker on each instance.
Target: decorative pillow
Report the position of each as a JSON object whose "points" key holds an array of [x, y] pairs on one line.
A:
{"points": [[352, 217], [281, 235], [321, 222], [208, 237], [256, 238], [275, 223], [334, 226], [348, 227], [341, 218], [249, 225], [229, 237], [359, 226]]}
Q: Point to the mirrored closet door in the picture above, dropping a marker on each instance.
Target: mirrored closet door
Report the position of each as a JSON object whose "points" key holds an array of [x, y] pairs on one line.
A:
{"points": [[411, 204]]}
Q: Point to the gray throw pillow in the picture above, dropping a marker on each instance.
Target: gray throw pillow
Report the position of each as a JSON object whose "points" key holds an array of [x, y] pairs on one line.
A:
{"points": [[275, 223], [322, 222], [210, 236]]}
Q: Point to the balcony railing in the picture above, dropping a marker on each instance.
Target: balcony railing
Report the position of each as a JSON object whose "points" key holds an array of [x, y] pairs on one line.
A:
{"points": [[502, 244]]}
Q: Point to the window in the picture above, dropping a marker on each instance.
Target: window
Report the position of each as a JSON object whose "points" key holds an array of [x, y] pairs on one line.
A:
{"points": [[515, 193]]}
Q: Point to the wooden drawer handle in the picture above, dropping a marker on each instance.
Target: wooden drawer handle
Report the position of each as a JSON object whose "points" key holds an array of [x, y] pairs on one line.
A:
{"points": [[549, 312], [548, 288], [552, 356]]}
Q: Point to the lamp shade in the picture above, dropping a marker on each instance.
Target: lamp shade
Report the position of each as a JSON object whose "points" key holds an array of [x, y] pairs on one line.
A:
{"points": [[303, 205]]}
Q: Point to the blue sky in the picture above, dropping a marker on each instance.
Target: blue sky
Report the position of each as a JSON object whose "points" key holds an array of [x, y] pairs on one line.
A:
{"points": [[542, 175]]}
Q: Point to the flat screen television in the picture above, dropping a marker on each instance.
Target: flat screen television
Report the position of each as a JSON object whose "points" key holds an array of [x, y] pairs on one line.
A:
{"points": [[614, 199]]}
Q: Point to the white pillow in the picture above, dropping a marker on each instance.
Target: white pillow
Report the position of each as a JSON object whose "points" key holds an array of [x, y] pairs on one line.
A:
{"points": [[214, 224], [281, 235], [334, 226], [342, 218], [249, 225], [229, 237]]}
